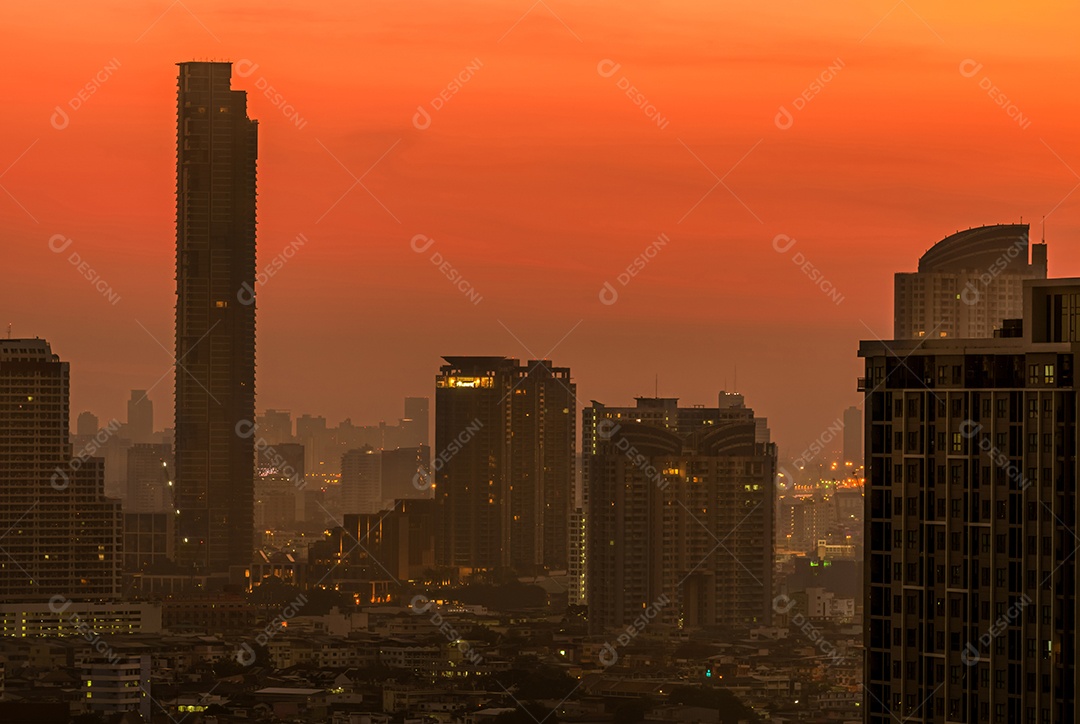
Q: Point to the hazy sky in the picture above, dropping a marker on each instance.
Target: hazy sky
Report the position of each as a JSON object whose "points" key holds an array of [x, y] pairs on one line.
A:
{"points": [[539, 180]]}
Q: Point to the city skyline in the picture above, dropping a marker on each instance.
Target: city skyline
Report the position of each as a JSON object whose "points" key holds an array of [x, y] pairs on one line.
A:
{"points": [[805, 181], [722, 357]]}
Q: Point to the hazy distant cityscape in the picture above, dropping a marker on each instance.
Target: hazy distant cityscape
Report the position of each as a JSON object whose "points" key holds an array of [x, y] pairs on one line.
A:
{"points": [[508, 548]]}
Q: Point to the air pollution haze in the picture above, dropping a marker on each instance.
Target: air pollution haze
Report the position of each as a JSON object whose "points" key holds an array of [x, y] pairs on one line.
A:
{"points": [[542, 151]]}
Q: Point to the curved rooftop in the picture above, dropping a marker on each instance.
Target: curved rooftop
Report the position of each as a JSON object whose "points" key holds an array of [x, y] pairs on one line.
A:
{"points": [[977, 248]]}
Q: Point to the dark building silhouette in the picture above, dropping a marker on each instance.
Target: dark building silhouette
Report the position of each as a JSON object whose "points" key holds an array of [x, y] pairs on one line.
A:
{"points": [[971, 510], [361, 481], [503, 464], [275, 426], [61, 535], [149, 541], [680, 514], [87, 424], [372, 553], [215, 319], [140, 421], [150, 482], [399, 471]]}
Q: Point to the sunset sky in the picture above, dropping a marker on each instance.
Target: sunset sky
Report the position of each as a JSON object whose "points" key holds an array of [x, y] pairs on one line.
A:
{"points": [[539, 180]]}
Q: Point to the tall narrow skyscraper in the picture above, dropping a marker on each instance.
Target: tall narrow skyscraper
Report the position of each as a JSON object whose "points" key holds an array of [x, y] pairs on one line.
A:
{"points": [[215, 319]]}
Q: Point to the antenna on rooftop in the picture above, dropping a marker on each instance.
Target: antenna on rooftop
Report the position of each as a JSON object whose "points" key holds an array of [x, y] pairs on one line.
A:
{"points": [[1044, 229]]}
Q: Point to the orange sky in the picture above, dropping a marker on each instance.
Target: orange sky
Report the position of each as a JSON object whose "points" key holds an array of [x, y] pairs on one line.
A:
{"points": [[540, 180]]}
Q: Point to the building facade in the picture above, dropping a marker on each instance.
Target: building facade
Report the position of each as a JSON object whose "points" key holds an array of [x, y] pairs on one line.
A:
{"points": [[971, 507], [61, 535], [967, 283], [504, 463], [680, 514], [215, 319]]}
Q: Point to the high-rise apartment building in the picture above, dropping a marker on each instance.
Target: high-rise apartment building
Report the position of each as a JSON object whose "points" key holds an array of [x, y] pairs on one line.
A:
{"points": [[971, 511], [361, 481], [680, 514], [503, 463], [61, 534], [215, 319], [967, 283]]}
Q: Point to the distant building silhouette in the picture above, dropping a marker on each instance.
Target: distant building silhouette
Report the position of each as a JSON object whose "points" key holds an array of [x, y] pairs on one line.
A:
{"points": [[275, 426], [503, 464], [215, 319], [967, 283], [361, 485], [971, 509], [140, 419], [87, 424], [680, 514]]}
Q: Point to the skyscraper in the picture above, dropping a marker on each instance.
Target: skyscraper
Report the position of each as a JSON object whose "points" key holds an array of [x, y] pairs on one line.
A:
{"points": [[680, 511], [971, 510], [140, 422], [967, 283], [61, 534], [504, 463], [215, 319], [361, 484]]}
